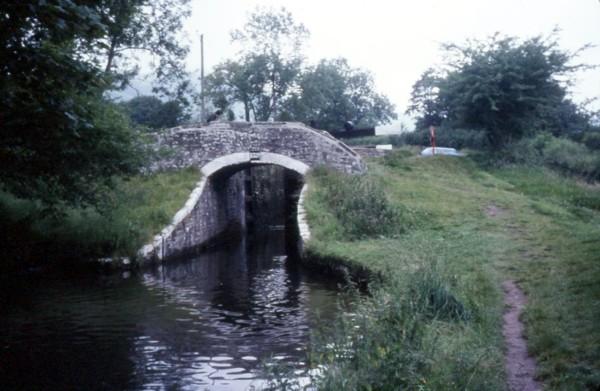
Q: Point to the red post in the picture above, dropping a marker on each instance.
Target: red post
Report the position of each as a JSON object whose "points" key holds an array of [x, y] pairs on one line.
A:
{"points": [[432, 136]]}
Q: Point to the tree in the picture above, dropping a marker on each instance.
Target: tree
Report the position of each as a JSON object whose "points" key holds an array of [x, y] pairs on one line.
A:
{"points": [[60, 136], [150, 111], [333, 93], [274, 40], [146, 28], [503, 86], [243, 82]]}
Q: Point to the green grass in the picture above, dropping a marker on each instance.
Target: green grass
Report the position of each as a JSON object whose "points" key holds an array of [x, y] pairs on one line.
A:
{"points": [[359, 204], [127, 217], [544, 232]]}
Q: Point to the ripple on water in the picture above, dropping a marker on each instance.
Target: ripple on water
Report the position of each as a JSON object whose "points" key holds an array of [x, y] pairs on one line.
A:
{"points": [[207, 323]]}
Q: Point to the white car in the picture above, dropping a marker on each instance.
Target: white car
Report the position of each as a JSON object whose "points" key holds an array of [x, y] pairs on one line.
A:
{"points": [[441, 151]]}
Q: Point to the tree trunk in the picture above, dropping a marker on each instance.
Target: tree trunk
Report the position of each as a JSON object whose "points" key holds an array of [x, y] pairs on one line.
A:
{"points": [[273, 112], [111, 54], [247, 111]]}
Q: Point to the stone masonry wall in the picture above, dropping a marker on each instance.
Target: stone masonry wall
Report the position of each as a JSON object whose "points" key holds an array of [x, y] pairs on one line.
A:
{"points": [[196, 146], [218, 207], [218, 201]]}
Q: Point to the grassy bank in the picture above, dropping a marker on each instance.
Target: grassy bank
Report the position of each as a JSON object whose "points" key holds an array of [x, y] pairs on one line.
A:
{"points": [[435, 323], [127, 216]]}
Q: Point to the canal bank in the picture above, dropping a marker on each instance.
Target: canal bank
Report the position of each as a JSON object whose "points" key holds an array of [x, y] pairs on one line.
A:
{"points": [[435, 321], [216, 317]]}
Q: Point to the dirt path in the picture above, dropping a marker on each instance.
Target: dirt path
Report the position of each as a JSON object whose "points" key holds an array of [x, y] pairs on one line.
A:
{"points": [[520, 367]]}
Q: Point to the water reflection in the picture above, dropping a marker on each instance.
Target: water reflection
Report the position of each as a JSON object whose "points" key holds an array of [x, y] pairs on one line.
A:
{"points": [[206, 323]]}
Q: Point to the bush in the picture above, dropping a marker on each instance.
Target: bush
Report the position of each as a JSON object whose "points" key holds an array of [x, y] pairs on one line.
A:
{"points": [[592, 140], [359, 204], [558, 153]]}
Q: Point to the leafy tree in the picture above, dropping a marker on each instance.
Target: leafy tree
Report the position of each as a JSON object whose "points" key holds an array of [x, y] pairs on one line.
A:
{"points": [[272, 40], [269, 82], [503, 86], [143, 28], [425, 100], [332, 93], [150, 111], [243, 82], [60, 136]]}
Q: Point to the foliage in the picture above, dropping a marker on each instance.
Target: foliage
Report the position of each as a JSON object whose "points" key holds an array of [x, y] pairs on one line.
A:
{"points": [[136, 28], [126, 218], [272, 51], [502, 86], [592, 140], [448, 137], [445, 137], [244, 82], [333, 93], [61, 138], [150, 111], [558, 153], [383, 344], [268, 80], [359, 204]]}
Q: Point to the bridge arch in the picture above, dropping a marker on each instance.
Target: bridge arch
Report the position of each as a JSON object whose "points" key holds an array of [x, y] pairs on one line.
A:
{"points": [[200, 145], [222, 151], [238, 160]]}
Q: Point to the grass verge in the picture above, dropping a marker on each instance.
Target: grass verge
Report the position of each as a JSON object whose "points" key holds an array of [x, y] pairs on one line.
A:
{"points": [[469, 228], [126, 218]]}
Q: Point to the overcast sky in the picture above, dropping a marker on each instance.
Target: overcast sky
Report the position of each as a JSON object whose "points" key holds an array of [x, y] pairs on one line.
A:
{"points": [[397, 40]]}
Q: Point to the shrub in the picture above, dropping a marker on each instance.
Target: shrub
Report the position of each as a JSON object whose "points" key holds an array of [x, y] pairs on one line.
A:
{"points": [[359, 204], [592, 140], [418, 137], [559, 153]]}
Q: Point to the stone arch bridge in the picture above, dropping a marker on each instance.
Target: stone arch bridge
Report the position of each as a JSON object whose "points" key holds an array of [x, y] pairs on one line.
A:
{"points": [[223, 151], [230, 144]]}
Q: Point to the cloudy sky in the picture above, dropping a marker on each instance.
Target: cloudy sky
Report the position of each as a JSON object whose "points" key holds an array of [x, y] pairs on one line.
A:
{"points": [[397, 40]]}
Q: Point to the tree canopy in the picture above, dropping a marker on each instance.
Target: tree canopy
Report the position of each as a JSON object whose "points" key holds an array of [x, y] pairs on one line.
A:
{"points": [[137, 29], [504, 86], [242, 82], [269, 79], [60, 135], [150, 111], [332, 93], [272, 43]]}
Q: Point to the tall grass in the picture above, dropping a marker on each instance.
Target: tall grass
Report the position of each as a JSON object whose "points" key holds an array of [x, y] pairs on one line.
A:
{"points": [[359, 204], [561, 154], [386, 342], [126, 218]]}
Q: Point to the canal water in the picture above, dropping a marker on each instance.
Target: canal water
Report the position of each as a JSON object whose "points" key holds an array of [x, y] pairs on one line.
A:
{"points": [[204, 323]]}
